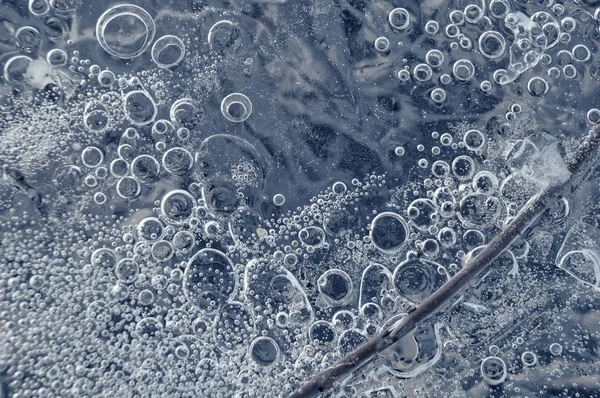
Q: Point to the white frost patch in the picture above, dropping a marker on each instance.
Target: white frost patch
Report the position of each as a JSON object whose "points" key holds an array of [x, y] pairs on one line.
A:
{"points": [[539, 161], [39, 73]]}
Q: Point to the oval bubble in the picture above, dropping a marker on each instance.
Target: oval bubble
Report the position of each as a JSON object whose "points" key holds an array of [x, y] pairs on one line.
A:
{"points": [[440, 169], [127, 270], [185, 112], [149, 328], [473, 238], [492, 45], [28, 39], [339, 188], [162, 251], [236, 107], [555, 349], [39, 8], [139, 107], [125, 31], [463, 70], [99, 198], [177, 206], [322, 332], [106, 78], [96, 116], [447, 237], [581, 53], [312, 236], [335, 285], [177, 161], [399, 18], [422, 73], [493, 370], [485, 182], [343, 320], [499, 8], [529, 359], [56, 57], [388, 232], [434, 58], [479, 210], [67, 178], [438, 95], [463, 167], [350, 339], [55, 29], [168, 51], [184, 241], [473, 13], [145, 169], [150, 229], [422, 214], [225, 35], [382, 44], [371, 311], [264, 351], [374, 281], [208, 280], [417, 279], [104, 258], [162, 130], [92, 157], [474, 140], [128, 188], [432, 27]]}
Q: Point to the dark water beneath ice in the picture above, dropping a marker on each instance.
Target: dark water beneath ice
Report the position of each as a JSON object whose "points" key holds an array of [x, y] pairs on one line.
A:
{"points": [[221, 198]]}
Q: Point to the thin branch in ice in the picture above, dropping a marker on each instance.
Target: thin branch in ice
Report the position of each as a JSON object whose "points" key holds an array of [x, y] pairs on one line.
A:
{"points": [[579, 167]]}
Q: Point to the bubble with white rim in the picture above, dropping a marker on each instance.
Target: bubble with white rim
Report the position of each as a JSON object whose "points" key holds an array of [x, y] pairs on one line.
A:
{"points": [[56, 57], [236, 107], [389, 231], [493, 370], [125, 31], [463, 70], [382, 44], [492, 45], [168, 51], [278, 199], [225, 35]]}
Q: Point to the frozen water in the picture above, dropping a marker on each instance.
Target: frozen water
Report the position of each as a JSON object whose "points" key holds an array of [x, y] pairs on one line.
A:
{"points": [[220, 199]]}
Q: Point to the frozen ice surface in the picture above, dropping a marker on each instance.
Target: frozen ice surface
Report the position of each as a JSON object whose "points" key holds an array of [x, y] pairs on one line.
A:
{"points": [[219, 199]]}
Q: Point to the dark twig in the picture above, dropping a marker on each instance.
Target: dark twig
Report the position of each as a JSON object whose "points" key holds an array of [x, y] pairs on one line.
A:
{"points": [[579, 166]]}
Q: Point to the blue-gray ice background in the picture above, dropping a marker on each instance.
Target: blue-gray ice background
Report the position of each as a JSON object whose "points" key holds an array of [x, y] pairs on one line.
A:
{"points": [[157, 242]]}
